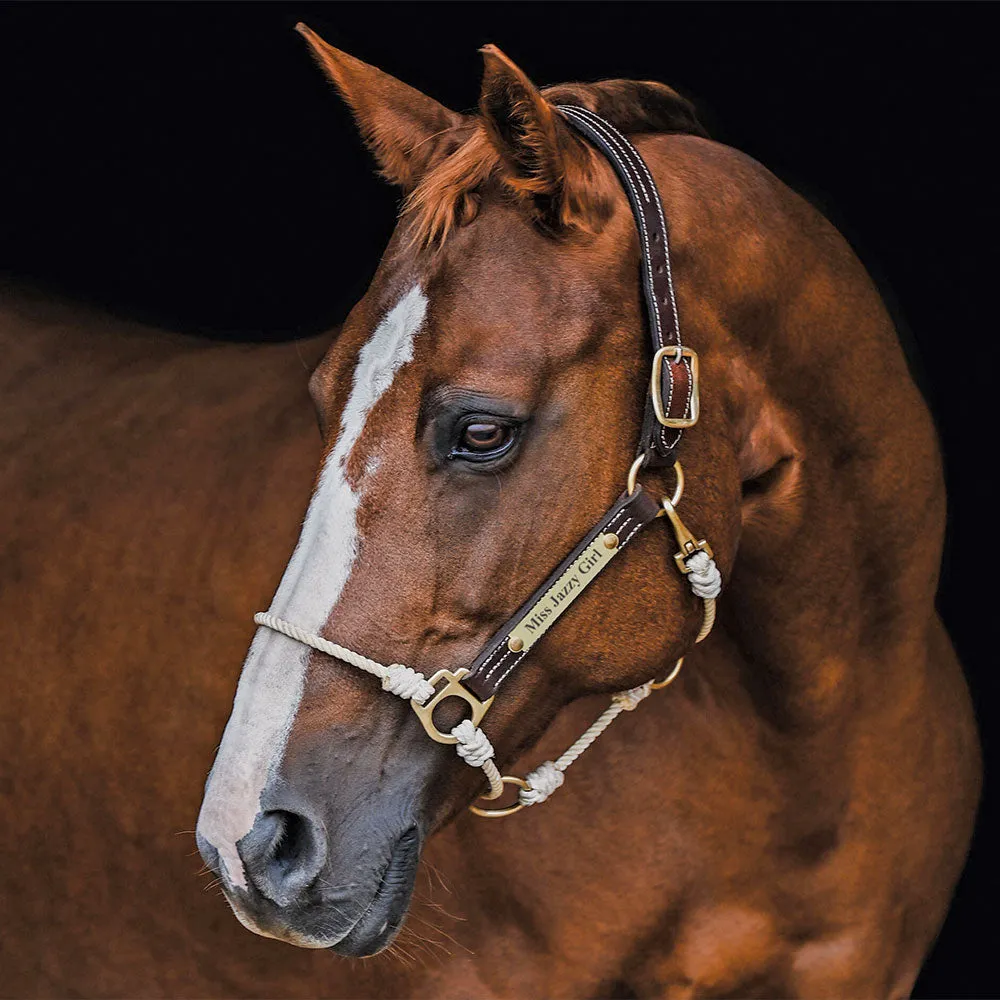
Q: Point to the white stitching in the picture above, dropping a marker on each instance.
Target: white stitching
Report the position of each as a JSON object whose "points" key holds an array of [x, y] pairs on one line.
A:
{"points": [[659, 209], [502, 646], [496, 649], [673, 303], [513, 664], [609, 130], [628, 537], [626, 150], [630, 175], [627, 174], [506, 673], [496, 666]]}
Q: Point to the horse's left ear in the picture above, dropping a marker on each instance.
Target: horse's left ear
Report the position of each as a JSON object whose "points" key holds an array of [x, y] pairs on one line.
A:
{"points": [[541, 158], [407, 131]]}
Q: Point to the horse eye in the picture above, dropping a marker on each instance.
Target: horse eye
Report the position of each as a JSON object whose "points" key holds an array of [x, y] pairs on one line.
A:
{"points": [[485, 437], [481, 438]]}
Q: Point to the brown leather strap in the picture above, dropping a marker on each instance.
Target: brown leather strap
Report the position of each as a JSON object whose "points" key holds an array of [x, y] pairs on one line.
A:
{"points": [[614, 531], [672, 400], [677, 383]]}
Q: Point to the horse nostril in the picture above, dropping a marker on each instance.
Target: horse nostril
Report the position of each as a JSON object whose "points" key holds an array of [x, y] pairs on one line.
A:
{"points": [[282, 854]]}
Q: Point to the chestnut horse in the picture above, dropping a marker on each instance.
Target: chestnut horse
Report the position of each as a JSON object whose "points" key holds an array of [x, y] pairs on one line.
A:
{"points": [[791, 817], [788, 818]]}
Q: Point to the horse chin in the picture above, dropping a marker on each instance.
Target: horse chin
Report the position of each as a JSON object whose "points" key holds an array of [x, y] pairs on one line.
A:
{"points": [[318, 921], [382, 919]]}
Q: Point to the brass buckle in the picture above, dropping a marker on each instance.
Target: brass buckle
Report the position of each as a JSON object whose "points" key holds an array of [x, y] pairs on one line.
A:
{"points": [[688, 543], [656, 391], [453, 689]]}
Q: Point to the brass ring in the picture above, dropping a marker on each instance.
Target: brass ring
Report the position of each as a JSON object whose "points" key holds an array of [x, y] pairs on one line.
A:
{"points": [[679, 488], [507, 779], [669, 679], [633, 475]]}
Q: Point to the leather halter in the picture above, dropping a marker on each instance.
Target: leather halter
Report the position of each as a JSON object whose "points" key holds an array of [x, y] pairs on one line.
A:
{"points": [[672, 401], [671, 405]]}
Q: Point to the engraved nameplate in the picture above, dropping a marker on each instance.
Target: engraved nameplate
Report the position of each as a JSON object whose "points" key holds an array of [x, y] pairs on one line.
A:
{"points": [[570, 585]]}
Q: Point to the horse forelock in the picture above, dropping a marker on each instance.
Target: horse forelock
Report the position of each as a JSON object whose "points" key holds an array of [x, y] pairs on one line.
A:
{"points": [[449, 193]]}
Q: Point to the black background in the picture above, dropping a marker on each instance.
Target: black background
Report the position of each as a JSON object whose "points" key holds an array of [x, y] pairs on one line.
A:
{"points": [[187, 165]]}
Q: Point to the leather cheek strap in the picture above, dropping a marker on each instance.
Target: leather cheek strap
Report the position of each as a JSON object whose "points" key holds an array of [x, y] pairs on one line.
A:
{"points": [[675, 374], [613, 532]]}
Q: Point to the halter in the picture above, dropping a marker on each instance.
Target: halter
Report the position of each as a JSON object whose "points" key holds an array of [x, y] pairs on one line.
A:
{"points": [[672, 404]]}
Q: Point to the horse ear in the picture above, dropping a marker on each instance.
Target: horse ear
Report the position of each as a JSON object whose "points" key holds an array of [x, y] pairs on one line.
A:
{"points": [[767, 456], [407, 131], [541, 158]]}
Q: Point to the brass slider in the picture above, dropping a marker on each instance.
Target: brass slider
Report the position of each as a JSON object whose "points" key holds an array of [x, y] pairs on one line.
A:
{"points": [[656, 387], [452, 689]]}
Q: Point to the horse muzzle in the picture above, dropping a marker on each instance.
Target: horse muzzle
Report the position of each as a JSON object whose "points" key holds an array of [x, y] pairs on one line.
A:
{"points": [[348, 892]]}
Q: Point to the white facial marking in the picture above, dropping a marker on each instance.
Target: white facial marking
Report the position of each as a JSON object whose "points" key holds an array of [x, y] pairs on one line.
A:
{"points": [[270, 687]]}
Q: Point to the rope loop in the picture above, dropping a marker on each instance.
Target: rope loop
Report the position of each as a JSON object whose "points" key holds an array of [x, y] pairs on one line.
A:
{"points": [[705, 578], [473, 745], [543, 781], [630, 700], [405, 682]]}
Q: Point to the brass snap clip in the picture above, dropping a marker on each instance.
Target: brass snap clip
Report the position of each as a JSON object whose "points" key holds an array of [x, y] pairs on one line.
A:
{"points": [[689, 545], [452, 689]]}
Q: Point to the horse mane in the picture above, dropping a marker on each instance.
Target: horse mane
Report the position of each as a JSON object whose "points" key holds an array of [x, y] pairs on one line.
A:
{"points": [[448, 195]]}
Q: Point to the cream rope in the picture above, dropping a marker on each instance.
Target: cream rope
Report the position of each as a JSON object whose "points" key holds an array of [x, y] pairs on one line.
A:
{"points": [[547, 777], [706, 582], [473, 745]]}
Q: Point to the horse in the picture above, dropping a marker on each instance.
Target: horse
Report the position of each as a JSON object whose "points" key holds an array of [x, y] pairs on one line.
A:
{"points": [[790, 818], [131, 455]]}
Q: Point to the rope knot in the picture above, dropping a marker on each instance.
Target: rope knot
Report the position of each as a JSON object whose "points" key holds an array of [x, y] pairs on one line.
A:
{"points": [[544, 780], [474, 746], [405, 682], [629, 700], [705, 578]]}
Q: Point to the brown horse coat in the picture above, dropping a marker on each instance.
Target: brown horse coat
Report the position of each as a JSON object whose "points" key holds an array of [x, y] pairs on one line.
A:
{"points": [[788, 819]]}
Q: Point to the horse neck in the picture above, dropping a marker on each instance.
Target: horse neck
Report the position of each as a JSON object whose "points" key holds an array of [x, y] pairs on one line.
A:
{"points": [[831, 593]]}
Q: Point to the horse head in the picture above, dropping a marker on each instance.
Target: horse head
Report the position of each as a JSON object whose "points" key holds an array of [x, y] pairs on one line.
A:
{"points": [[479, 411]]}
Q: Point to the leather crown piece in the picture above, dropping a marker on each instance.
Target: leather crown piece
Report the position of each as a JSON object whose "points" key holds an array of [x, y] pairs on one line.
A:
{"points": [[672, 401], [671, 405]]}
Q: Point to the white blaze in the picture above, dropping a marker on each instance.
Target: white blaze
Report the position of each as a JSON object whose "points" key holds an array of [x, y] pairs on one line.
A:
{"points": [[270, 686]]}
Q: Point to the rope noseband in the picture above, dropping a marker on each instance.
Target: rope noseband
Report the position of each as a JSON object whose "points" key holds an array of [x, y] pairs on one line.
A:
{"points": [[672, 404]]}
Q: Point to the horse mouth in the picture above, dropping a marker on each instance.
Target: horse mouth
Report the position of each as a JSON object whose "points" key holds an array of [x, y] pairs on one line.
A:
{"points": [[382, 918], [306, 925]]}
